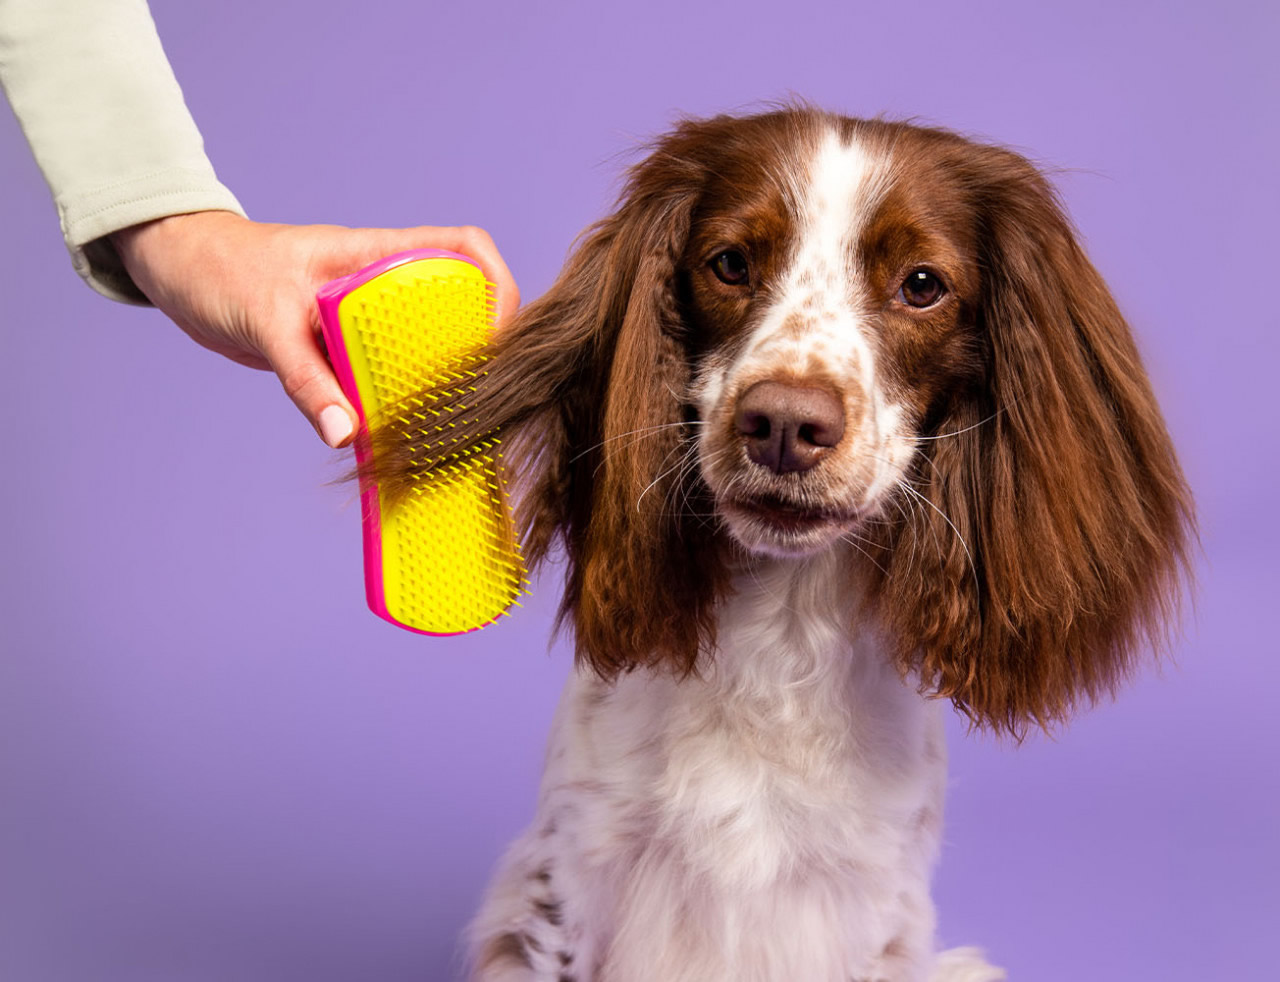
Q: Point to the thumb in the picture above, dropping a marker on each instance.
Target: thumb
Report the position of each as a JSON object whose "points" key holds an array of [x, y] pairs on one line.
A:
{"points": [[309, 381]]}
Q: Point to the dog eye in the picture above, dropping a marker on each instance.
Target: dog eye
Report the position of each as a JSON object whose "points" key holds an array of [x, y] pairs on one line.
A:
{"points": [[920, 289], [731, 267]]}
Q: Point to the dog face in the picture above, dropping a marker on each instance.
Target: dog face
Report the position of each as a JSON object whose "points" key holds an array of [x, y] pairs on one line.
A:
{"points": [[832, 315], [801, 332]]}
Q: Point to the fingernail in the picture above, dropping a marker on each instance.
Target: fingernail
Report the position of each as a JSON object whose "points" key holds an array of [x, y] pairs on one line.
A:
{"points": [[335, 425]]}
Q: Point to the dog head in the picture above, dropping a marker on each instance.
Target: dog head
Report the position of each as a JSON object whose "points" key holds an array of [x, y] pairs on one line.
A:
{"points": [[802, 332]]}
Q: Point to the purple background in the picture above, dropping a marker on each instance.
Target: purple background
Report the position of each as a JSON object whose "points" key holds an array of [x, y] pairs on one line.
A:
{"points": [[215, 764]]}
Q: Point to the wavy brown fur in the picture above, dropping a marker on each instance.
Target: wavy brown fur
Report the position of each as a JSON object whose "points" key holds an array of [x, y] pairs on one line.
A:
{"points": [[1060, 476], [577, 383]]}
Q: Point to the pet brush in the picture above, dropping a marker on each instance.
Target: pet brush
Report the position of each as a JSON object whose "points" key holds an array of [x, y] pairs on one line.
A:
{"points": [[405, 337]]}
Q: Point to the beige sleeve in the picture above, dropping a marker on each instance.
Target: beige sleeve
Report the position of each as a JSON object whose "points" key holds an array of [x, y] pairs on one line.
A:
{"points": [[99, 104]]}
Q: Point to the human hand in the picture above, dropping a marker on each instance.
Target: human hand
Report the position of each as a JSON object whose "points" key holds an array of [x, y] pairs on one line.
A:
{"points": [[247, 290]]}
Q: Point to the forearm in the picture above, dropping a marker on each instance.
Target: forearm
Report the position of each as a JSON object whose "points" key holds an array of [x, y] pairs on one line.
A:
{"points": [[99, 104]]}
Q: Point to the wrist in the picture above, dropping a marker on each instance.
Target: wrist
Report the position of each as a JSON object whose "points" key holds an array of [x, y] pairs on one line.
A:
{"points": [[143, 243]]}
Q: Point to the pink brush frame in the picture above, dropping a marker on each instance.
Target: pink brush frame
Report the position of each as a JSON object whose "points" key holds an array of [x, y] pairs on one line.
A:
{"points": [[328, 299]]}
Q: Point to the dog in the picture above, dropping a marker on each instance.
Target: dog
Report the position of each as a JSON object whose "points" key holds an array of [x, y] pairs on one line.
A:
{"points": [[834, 423]]}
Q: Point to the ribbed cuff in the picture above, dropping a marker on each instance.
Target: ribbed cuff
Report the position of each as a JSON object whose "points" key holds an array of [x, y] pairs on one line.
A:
{"points": [[89, 217]]}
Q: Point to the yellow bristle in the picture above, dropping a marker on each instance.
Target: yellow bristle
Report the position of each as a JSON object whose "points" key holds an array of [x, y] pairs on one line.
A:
{"points": [[450, 562]]}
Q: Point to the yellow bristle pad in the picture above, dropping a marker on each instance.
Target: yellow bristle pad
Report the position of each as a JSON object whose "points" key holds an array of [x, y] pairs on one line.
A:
{"points": [[449, 558]]}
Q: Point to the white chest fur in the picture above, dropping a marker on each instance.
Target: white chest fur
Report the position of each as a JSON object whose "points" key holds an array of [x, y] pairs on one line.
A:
{"points": [[776, 818]]}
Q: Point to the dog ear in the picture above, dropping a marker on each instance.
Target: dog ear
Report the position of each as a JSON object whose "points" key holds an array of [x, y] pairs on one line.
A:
{"points": [[1063, 516], [586, 386], [593, 376]]}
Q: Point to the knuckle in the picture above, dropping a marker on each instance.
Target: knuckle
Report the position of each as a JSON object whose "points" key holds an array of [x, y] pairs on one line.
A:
{"points": [[299, 380], [475, 234]]}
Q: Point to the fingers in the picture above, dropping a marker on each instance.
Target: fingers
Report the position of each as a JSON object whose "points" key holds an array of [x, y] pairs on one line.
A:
{"points": [[477, 243], [296, 356], [465, 239], [256, 304], [309, 381]]}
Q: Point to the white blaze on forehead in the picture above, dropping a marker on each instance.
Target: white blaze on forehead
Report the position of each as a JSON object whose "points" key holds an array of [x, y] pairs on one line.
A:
{"points": [[845, 184], [821, 283]]}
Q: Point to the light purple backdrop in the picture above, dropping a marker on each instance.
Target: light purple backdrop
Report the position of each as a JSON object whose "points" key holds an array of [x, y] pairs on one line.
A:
{"points": [[216, 765]]}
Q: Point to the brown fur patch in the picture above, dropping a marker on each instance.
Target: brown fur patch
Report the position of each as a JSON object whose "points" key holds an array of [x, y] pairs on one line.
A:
{"points": [[1057, 518], [1056, 468]]}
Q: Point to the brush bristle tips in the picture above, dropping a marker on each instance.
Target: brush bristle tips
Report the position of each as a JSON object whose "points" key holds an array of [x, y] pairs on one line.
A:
{"points": [[450, 562]]}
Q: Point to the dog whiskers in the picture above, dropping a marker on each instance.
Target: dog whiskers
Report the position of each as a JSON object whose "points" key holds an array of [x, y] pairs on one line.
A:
{"points": [[638, 434], [966, 429], [853, 540], [963, 545], [685, 487], [678, 466]]}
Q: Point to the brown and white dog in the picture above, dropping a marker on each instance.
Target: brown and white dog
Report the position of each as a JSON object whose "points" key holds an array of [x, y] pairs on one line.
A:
{"points": [[833, 417]]}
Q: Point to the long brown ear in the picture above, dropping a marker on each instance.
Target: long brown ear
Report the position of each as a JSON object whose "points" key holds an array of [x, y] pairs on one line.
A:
{"points": [[588, 385], [643, 576], [1057, 474], [617, 476]]}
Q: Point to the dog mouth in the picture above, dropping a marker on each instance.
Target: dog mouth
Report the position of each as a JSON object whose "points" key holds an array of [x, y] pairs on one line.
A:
{"points": [[779, 526]]}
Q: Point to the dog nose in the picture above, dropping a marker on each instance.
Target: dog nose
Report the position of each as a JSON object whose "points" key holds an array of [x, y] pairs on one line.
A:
{"points": [[788, 428]]}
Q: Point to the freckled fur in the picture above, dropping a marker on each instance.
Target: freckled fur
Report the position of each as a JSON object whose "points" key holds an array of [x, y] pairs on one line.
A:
{"points": [[744, 781]]}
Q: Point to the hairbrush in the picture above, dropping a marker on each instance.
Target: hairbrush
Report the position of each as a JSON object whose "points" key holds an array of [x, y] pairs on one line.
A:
{"points": [[406, 337]]}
